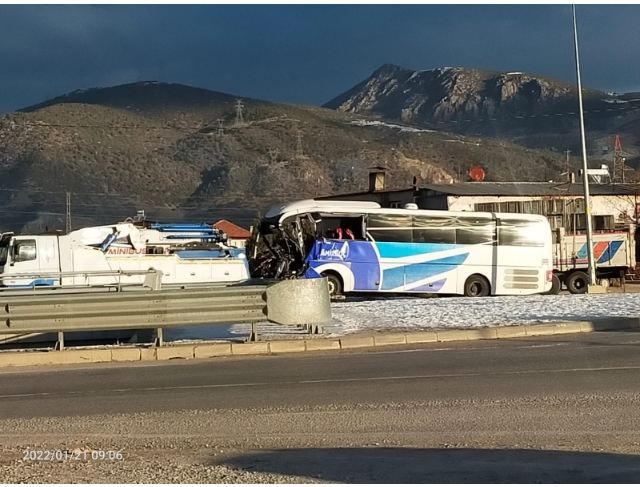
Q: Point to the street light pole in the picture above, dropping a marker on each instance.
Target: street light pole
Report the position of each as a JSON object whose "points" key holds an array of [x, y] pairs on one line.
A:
{"points": [[585, 178]]}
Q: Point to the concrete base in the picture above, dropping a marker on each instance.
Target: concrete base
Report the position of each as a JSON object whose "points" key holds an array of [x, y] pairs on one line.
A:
{"points": [[207, 350], [596, 290]]}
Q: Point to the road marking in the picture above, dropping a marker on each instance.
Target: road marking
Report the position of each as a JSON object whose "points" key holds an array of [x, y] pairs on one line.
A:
{"points": [[326, 381]]}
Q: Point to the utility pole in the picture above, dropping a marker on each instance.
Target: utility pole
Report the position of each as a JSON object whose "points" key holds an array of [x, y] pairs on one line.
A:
{"points": [[273, 155], [618, 162], [220, 127], [68, 223], [299, 151], [239, 108], [585, 176], [567, 167]]}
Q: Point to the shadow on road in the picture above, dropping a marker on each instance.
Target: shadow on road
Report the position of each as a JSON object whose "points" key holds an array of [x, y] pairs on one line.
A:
{"points": [[414, 465]]}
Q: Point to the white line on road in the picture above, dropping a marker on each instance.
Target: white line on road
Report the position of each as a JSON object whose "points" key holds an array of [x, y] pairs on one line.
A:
{"points": [[326, 381]]}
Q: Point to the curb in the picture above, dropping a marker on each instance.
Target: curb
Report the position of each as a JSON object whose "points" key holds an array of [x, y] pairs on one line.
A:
{"points": [[210, 350]]}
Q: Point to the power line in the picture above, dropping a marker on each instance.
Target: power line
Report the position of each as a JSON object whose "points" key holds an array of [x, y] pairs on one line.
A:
{"points": [[542, 115], [240, 120], [119, 195]]}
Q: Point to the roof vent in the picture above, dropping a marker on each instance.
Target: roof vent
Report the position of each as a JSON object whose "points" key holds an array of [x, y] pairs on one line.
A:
{"points": [[410, 206]]}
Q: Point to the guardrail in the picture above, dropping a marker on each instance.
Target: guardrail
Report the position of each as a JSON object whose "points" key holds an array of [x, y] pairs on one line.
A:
{"points": [[168, 308]]}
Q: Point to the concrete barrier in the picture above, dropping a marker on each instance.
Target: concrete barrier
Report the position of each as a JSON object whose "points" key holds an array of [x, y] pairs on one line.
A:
{"points": [[212, 350], [299, 301], [287, 346]]}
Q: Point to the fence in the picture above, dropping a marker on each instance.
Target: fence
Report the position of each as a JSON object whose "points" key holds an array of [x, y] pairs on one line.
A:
{"points": [[159, 309]]}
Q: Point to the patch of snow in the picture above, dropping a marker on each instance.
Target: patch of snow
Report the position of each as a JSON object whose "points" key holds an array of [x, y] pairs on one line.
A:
{"points": [[514, 72], [415, 73], [409, 313], [618, 101], [231, 332], [377, 123], [76, 92]]}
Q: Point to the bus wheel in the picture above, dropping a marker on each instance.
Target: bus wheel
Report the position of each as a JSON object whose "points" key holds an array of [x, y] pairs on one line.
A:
{"points": [[477, 286], [556, 285], [577, 282], [335, 284]]}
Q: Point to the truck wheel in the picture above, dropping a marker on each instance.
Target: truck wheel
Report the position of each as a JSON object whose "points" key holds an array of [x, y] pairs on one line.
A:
{"points": [[577, 282], [556, 285], [477, 286], [335, 284]]}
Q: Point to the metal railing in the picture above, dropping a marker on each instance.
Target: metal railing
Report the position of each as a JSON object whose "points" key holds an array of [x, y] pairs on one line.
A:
{"points": [[152, 276], [159, 309]]}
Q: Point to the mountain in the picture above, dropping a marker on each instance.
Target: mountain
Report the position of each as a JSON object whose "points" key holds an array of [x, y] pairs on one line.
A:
{"points": [[179, 152], [532, 110]]}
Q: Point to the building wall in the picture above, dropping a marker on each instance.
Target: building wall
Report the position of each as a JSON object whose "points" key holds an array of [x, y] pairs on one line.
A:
{"points": [[385, 199], [237, 243], [623, 208]]}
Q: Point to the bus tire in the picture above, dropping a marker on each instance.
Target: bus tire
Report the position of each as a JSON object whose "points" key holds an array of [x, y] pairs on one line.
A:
{"points": [[477, 286], [556, 286], [577, 282], [335, 284]]}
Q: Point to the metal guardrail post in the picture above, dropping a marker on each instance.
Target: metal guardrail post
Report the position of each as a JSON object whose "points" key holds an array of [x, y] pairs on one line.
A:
{"points": [[159, 340], [60, 342], [253, 337]]}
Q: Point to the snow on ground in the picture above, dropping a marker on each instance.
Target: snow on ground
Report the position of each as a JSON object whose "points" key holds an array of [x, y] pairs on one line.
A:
{"points": [[423, 313], [376, 123], [406, 313]]}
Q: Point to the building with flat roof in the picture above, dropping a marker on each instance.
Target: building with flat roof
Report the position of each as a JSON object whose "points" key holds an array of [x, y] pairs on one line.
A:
{"points": [[613, 205]]}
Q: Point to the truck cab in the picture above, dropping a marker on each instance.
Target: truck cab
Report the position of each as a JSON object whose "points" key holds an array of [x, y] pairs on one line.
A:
{"points": [[23, 258]]}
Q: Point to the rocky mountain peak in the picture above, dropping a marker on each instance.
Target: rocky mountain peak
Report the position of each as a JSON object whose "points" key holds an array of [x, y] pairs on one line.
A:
{"points": [[450, 94]]}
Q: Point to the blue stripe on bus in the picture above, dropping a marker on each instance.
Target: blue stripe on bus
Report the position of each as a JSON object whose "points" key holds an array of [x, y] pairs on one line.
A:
{"points": [[435, 286], [390, 250], [399, 276]]}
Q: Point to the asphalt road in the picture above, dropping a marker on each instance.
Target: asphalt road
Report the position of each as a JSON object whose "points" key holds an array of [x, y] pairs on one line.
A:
{"points": [[547, 409], [604, 363]]}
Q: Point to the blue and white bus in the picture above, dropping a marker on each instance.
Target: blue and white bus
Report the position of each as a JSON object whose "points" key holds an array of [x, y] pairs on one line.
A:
{"points": [[362, 247]]}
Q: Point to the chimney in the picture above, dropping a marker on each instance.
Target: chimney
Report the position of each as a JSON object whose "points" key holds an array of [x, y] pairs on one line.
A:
{"points": [[376, 180], [572, 177]]}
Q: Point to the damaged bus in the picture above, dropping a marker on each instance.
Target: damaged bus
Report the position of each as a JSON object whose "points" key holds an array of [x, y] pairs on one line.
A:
{"points": [[362, 247]]}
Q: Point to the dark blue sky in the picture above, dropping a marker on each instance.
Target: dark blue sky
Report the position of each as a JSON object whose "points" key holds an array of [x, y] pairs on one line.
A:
{"points": [[301, 54]]}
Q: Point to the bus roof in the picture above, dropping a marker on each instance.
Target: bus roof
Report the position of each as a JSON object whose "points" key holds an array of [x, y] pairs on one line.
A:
{"points": [[307, 206], [369, 207]]}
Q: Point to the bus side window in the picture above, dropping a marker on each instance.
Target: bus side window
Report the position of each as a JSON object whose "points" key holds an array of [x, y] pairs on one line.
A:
{"points": [[389, 228], [434, 230], [475, 230], [520, 233]]}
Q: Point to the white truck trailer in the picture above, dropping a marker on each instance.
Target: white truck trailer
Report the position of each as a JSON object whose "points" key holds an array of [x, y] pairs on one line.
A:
{"points": [[185, 253], [614, 253]]}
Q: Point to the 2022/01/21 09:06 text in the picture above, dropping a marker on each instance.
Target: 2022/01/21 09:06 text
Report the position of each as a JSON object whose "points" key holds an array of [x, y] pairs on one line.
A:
{"points": [[80, 455]]}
